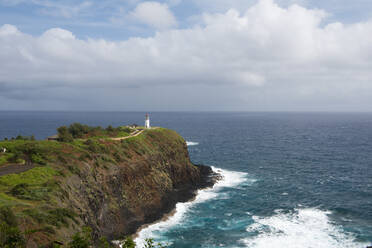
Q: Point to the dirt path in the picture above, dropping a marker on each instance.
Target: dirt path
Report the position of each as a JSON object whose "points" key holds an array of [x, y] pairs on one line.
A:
{"points": [[15, 169], [134, 134]]}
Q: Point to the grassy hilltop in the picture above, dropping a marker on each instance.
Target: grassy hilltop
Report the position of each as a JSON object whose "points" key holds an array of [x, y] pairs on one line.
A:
{"points": [[88, 178]]}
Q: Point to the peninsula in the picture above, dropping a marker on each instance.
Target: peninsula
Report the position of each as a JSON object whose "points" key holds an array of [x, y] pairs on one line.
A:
{"points": [[111, 181]]}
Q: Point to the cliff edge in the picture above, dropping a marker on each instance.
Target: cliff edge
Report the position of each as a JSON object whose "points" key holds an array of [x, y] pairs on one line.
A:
{"points": [[112, 186]]}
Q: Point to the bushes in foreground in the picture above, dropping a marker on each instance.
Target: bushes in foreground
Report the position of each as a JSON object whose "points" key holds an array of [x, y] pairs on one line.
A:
{"points": [[83, 240], [10, 235], [149, 243], [78, 131]]}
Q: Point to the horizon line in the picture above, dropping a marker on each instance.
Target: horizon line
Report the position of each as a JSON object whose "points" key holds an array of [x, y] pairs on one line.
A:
{"points": [[199, 111]]}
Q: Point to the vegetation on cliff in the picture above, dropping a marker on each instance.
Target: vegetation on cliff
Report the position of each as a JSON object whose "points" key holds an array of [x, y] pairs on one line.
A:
{"points": [[111, 186], [79, 131]]}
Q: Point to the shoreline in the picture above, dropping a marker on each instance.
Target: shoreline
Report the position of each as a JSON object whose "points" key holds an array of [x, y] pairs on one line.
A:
{"points": [[164, 218], [210, 180]]}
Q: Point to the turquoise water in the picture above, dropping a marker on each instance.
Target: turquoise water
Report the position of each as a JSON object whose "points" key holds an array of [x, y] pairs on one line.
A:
{"points": [[290, 179]]}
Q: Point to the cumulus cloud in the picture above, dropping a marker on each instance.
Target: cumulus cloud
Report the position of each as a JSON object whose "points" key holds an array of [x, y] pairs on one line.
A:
{"points": [[154, 14], [267, 57]]}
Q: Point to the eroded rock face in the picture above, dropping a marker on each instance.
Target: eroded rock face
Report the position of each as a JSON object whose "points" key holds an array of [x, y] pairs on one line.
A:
{"points": [[135, 182]]}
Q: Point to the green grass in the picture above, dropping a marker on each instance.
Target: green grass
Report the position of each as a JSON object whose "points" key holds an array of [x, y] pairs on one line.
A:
{"points": [[38, 151], [28, 188], [40, 194], [35, 176], [45, 145], [151, 141], [56, 217], [4, 158], [32, 193], [122, 134], [6, 200]]}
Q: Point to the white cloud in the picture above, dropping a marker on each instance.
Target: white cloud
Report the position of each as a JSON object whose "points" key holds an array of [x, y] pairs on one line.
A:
{"points": [[267, 57], [154, 14], [8, 30]]}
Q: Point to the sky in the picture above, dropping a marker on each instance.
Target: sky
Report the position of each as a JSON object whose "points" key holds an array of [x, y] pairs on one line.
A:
{"points": [[186, 55]]}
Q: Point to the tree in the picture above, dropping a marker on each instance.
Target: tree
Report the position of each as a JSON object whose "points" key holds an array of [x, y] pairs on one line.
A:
{"points": [[78, 130], [81, 239], [29, 152], [64, 135]]}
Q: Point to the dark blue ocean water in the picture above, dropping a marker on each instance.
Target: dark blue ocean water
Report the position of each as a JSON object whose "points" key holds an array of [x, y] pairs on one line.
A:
{"points": [[290, 179]]}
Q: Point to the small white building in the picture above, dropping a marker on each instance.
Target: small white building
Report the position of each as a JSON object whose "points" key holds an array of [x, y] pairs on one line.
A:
{"points": [[147, 121]]}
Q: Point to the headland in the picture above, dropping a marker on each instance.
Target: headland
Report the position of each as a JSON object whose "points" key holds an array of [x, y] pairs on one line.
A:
{"points": [[111, 180]]}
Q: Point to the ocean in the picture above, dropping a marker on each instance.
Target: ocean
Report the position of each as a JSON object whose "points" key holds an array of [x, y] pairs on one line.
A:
{"points": [[289, 179]]}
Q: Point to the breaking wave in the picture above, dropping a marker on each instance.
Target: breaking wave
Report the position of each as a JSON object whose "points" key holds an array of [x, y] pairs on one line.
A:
{"points": [[229, 179], [190, 143], [305, 228]]}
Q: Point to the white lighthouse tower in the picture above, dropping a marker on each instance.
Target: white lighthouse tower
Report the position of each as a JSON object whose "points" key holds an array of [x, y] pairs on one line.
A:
{"points": [[147, 121]]}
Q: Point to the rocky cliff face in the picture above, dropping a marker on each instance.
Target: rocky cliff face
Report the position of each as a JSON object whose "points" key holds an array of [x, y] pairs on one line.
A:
{"points": [[155, 173], [114, 186]]}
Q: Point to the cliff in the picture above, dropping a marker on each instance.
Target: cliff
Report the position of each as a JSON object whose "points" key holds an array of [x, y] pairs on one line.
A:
{"points": [[112, 186]]}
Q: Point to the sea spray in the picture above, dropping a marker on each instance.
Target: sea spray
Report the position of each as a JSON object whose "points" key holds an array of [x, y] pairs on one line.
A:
{"points": [[305, 228], [190, 143], [228, 179]]}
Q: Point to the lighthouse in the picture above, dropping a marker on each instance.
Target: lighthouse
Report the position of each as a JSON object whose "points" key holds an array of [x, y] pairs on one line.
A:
{"points": [[147, 121]]}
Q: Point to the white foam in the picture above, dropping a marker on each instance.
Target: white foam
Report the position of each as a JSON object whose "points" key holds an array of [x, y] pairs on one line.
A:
{"points": [[229, 179], [190, 143], [305, 228]]}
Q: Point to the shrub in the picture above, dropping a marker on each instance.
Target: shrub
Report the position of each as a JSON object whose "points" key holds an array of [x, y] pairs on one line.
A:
{"points": [[103, 243], [37, 159], [28, 151], [10, 235], [16, 157], [64, 135], [54, 217], [81, 239], [110, 129], [36, 215], [7, 216], [78, 130], [93, 146], [37, 193], [22, 191], [128, 243], [149, 243], [59, 216]]}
